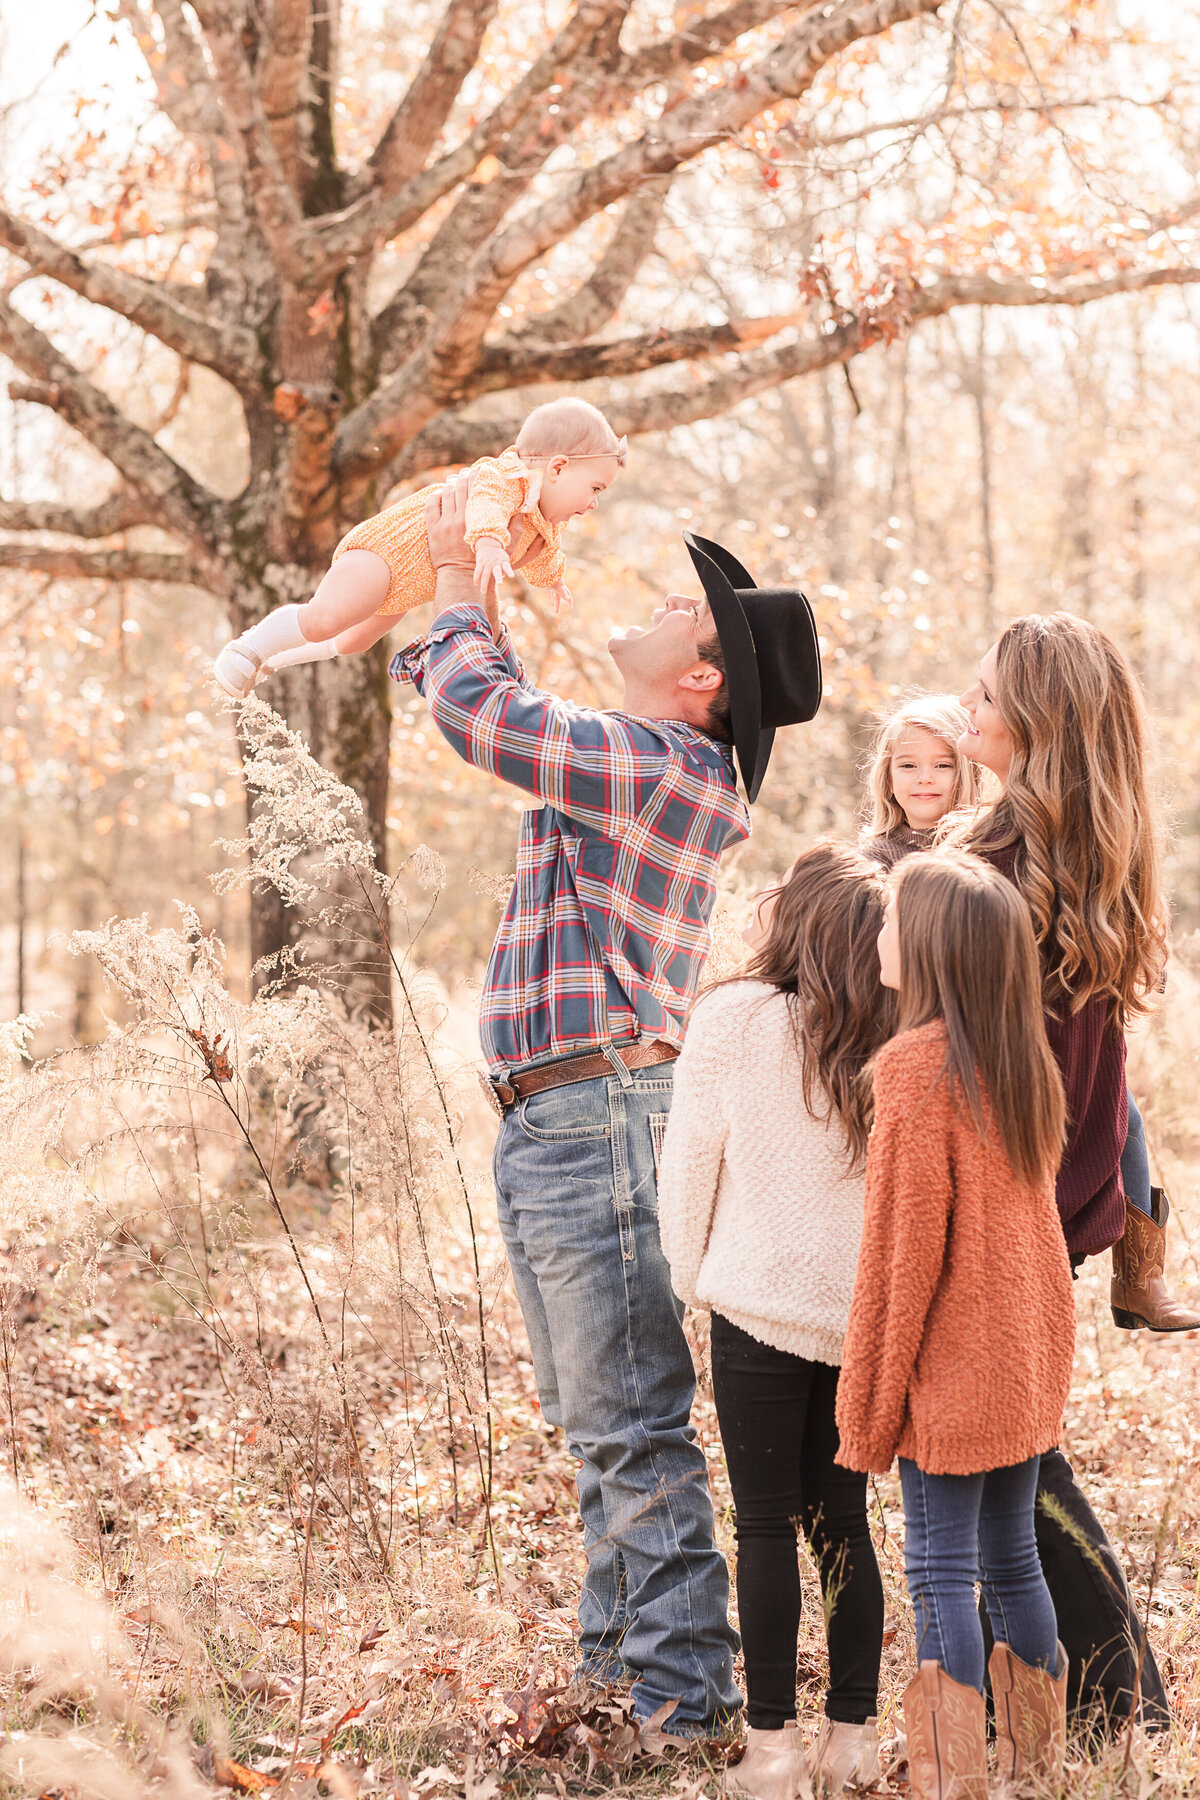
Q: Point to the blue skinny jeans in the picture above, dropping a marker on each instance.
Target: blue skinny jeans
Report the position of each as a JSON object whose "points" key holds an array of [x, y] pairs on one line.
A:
{"points": [[960, 1529], [1135, 1162]]}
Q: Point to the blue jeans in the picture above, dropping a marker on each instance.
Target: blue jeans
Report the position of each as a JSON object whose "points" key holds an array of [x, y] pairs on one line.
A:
{"points": [[575, 1187], [959, 1529], [1135, 1162]]}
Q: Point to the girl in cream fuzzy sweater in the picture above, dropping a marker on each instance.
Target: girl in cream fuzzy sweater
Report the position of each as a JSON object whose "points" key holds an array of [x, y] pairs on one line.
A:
{"points": [[760, 1211]]}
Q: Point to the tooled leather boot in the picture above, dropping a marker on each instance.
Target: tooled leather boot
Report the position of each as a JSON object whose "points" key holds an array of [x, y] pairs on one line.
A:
{"points": [[1031, 1719], [945, 1724], [1140, 1300]]}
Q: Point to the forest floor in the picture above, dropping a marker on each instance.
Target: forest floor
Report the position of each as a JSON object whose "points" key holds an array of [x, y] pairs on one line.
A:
{"points": [[274, 1654]]}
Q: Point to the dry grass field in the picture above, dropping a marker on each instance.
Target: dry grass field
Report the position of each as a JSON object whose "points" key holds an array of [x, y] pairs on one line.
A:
{"points": [[198, 1613]]}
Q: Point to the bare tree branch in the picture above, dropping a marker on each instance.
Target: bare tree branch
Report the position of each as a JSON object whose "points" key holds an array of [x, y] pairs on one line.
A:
{"points": [[276, 206], [595, 87], [519, 363], [413, 128], [599, 84], [371, 436], [697, 125], [940, 115], [189, 99], [117, 513], [279, 79], [229, 350], [102, 565], [661, 410], [399, 327], [592, 305], [180, 503], [180, 73], [700, 39], [482, 208], [451, 438], [373, 221]]}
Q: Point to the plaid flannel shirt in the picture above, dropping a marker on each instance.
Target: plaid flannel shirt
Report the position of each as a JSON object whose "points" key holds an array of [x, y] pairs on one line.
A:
{"points": [[606, 928]]}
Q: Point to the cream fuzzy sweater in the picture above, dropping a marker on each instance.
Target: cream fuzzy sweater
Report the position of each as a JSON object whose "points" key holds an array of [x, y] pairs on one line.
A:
{"points": [[760, 1219]]}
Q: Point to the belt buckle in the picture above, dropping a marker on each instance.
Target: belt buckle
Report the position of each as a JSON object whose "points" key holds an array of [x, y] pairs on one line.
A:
{"points": [[500, 1094]]}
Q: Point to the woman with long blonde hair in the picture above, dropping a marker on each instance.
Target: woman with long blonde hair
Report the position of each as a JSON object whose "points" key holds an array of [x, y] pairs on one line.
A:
{"points": [[1057, 717]]}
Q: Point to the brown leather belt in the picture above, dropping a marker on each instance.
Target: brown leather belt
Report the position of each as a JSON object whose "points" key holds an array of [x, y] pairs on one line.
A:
{"points": [[588, 1067]]}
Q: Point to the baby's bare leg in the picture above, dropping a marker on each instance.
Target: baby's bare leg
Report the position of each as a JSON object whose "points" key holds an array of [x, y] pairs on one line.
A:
{"points": [[350, 594], [361, 637], [344, 605]]}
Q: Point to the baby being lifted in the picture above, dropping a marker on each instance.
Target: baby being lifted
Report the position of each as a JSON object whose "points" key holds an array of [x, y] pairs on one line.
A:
{"points": [[565, 456]]}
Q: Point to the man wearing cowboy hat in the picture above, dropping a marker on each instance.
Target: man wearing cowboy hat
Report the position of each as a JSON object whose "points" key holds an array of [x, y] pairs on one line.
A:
{"points": [[585, 1000]]}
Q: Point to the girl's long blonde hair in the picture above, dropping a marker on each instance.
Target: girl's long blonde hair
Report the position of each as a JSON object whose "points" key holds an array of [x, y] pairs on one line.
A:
{"points": [[967, 957], [820, 950], [1078, 810], [941, 716]]}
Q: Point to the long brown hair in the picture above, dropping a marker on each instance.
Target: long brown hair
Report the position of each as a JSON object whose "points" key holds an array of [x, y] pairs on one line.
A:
{"points": [[820, 951], [968, 957], [1077, 806]]}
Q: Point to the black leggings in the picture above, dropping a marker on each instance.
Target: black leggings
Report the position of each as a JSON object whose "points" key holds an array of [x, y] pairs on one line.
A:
{"points": [[777, 1424]]}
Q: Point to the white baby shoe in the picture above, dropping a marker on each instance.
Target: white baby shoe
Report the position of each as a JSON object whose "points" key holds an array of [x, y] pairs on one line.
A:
{"points": [[238, 668]]}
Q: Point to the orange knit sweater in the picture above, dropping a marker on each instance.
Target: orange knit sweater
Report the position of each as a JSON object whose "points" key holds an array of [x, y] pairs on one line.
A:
{"points": [[962, 1327]]}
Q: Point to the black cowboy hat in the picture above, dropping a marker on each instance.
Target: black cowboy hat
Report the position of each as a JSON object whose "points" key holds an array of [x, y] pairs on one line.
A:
{"points": [[768, 638]]}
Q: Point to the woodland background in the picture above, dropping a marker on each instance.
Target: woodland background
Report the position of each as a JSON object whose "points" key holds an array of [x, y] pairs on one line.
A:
{"points": [[909, 319]]}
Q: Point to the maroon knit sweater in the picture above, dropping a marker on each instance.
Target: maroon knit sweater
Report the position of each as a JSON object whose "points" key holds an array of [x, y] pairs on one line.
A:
{"points": [[1089, 1048]]}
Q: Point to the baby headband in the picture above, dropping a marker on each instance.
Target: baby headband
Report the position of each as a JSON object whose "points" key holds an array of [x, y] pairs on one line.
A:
{"points": [[622, 449]]}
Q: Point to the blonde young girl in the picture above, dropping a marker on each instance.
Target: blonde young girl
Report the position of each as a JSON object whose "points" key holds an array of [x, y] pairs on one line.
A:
{"points": [[916, 774], [760, 1195], [961, 1337], [565, 456]]}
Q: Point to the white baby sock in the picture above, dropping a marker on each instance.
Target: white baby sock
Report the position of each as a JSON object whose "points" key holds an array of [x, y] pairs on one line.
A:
{"points": [[241, 662], [305, 653], [279, 631]]}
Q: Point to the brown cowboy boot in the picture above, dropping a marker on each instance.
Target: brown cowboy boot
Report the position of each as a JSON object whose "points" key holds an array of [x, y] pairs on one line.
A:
{"points": [[1031, 1718], [945, 1724], [1139, 1293]]}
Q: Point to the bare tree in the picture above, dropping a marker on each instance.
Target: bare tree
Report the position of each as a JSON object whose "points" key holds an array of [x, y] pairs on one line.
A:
{"points": [[342, 399]]}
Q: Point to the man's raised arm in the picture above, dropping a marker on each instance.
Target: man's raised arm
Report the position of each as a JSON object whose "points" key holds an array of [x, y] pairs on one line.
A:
{"points": [[594, 767], [453, 558]]}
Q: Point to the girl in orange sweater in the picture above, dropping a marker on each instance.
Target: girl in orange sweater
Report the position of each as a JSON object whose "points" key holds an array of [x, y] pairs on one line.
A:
{"points": [[961, 1337]]}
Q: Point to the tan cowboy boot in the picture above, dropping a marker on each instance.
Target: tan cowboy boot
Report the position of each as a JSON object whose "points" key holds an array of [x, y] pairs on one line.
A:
{"points": [[846, 1756], [1139, 1293], [1031, 1718], [945, 1724], [773, 1767]]}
